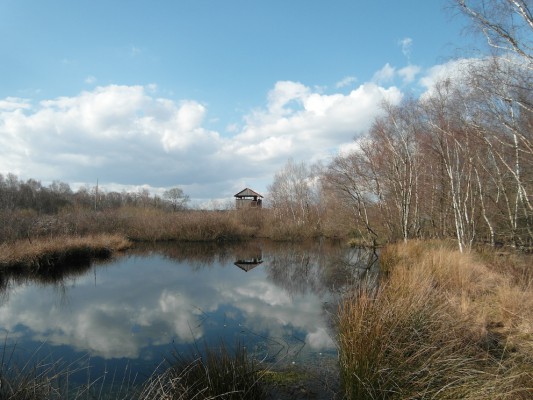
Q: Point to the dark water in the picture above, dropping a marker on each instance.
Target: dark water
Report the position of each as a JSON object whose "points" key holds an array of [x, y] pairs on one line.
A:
{"points": [[277, 299]]}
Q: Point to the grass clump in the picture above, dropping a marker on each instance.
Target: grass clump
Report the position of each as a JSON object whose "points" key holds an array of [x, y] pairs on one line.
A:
{"points": [[436, 327], [219, 373]]}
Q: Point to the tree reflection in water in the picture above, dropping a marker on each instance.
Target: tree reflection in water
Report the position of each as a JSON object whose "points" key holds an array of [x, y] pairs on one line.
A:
{"points": [[316, 266], [320, 267]]}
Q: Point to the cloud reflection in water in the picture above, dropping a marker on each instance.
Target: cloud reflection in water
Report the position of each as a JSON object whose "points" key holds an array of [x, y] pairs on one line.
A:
{"points": [[176, 295]]}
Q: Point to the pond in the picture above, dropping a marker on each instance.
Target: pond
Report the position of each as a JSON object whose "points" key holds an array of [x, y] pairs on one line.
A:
{"points": [[126, 315]]}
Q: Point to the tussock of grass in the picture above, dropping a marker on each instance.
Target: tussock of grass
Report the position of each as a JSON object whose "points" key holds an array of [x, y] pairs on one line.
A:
{"points": [[439, 326], [49, 252], [217, 373]]}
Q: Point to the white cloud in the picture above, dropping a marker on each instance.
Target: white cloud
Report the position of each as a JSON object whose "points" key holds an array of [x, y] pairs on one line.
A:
{"points": [[406, 45], [348, 148], [409, 73], [388, 74], [14, 103], [384, 75], [127, 136], [151, 88], [90, 80], [347, 81], [453, 70], [114, 132], [284, 93], [313, 130]]}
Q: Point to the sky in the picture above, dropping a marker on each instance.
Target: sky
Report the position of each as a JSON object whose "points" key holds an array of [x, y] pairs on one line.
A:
{"points": [[210, 96]]}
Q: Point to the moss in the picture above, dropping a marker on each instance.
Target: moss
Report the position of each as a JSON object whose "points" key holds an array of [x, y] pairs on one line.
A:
{"points": [[284, 378]]}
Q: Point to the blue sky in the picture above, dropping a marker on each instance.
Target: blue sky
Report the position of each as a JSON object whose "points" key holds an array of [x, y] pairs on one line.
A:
{"points": [[208, 95]]}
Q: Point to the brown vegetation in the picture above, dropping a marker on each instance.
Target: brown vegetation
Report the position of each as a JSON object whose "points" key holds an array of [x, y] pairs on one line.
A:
{"points": [[442, 325], [43, 253], [217, 373]]}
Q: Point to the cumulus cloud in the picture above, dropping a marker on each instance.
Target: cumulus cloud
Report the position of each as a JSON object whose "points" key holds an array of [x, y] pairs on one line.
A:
{"points": [[114, 132], [127, 135], [312, 130], [348, 148], [14, 104], [388, 74]]}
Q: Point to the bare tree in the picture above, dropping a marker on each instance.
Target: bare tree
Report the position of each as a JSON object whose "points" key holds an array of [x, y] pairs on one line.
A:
{"points": [[396, 159], [354, 183], [291, 192], [177, 198], [507, 25]]}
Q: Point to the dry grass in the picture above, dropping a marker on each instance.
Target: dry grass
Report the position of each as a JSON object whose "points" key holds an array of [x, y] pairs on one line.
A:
{"points": [[219, 373], [442, 325], [47, 252], [215, 373], [153, 224], [157, 225], [150, 225]]}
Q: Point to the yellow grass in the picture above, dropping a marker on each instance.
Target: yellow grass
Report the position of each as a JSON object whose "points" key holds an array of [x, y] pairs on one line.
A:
{"points": [[442, 325], [26, 253]]}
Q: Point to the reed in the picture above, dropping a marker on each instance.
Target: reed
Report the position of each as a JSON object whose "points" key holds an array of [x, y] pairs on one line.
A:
{"points": [[436, 328]]}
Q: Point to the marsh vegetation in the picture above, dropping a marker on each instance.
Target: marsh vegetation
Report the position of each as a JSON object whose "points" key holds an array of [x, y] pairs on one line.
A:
{"points": [[444, 182], [441, 324]]}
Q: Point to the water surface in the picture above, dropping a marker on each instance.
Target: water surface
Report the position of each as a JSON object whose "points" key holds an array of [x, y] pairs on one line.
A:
{"points": [[277, 299]]}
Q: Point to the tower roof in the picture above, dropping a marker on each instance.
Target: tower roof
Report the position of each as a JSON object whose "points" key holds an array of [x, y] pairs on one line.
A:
{"points": [[247, 193]]}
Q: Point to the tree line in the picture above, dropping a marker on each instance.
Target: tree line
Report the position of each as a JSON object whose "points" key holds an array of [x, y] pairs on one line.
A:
{"points": [[17, 194]]}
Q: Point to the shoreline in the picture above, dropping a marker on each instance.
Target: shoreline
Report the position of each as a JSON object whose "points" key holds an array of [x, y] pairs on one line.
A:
{"points": [[47, 253]]}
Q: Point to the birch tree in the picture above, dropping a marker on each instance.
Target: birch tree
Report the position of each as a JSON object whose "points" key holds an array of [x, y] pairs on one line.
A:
{"points": [[349, 177], [506, 24], [504, 121], [394, 135], [290, 193], [452, 146]]}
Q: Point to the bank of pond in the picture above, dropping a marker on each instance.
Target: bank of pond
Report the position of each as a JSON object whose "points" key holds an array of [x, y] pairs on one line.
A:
{"points": [[260, 319]]}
